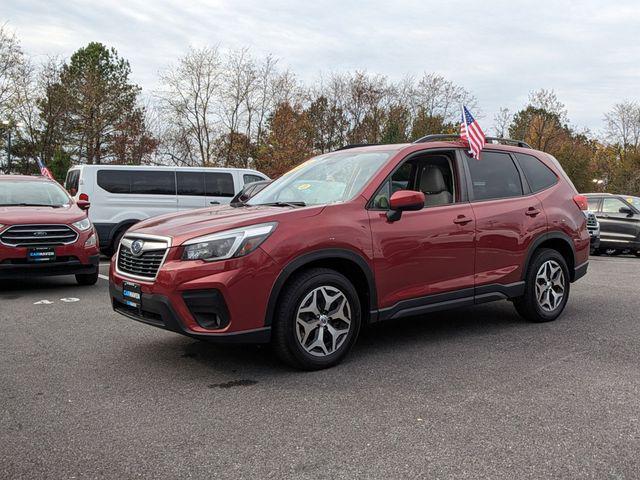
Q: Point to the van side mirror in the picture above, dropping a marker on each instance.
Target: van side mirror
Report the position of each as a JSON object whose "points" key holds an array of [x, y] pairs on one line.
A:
{"points": [[627, 211], [83, 204], [404, 201]]}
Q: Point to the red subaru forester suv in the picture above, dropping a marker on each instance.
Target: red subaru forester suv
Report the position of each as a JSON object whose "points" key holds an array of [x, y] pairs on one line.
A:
{"points": [[358, 236], [43, 231]]}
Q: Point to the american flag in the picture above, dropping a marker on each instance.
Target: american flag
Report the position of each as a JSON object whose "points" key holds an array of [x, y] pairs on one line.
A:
{"points": [[44, 171], [471, 132]]}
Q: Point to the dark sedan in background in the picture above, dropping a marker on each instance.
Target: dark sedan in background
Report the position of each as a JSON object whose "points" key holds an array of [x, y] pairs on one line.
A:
{"points": [[619, 218]]}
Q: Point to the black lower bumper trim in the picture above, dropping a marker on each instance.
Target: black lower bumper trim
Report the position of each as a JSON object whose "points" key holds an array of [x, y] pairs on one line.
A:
{"points": [[580, 271], [30, 270], [156, 310]]}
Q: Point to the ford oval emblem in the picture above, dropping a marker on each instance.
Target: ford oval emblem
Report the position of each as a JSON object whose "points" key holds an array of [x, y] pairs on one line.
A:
{"points": [[136, 247]]}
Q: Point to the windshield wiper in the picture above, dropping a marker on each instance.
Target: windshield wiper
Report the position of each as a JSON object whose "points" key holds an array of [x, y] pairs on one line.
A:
{"points": [[283, 204]]}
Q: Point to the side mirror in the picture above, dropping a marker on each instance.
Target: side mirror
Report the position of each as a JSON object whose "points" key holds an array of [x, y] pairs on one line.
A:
{"points": [[83, 204], [626, 210], [404, 200]]}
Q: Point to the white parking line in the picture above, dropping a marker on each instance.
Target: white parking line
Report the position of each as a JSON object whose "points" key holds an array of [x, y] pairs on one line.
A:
{"points": [[104, 277]]}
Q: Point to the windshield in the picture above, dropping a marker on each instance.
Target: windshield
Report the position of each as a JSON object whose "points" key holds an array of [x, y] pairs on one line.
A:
{"points": [[635, 201], [331, 178], [34, 193]]}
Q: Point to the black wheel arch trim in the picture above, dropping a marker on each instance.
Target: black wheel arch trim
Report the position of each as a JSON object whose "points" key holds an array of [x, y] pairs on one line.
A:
{"points": [[554, 235], [314, 256]]}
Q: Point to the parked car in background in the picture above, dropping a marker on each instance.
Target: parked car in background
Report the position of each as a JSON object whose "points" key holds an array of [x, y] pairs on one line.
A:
{"points": [[249, 191], [123, 195], [619, 218], [358, 236], [593, 226], [43, 231]]}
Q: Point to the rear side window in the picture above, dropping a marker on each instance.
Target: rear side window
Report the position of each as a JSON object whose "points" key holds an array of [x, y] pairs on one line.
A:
{"points": [[219, 184], [248, 178], [537, 173], [142, 182], [190, 183], [593, 203], [494, 176], [72, 181]]}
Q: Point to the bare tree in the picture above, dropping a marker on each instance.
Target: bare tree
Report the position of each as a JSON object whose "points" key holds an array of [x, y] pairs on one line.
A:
{"points": [[11, 62], [622, 125], [187, 102], [502, 121]]}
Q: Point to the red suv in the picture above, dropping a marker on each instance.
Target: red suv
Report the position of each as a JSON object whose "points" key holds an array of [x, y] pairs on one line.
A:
{"points": [[358, 236], [44, 232]]}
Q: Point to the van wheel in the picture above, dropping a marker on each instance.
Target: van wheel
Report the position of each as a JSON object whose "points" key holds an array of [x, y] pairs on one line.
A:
{"points": [[87, 279], [317, 320], [547, 285], [638, 253]]}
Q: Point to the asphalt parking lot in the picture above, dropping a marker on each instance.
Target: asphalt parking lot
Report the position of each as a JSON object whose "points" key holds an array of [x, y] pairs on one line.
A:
{"points": [[471, 393]]}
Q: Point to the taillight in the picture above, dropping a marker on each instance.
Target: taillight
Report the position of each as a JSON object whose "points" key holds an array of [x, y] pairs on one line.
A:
{"points": [[581, 202], [84, 196]]}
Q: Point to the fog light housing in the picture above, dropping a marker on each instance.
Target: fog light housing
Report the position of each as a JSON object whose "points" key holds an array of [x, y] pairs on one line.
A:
{"points": [[91, 241], [208, 308]]}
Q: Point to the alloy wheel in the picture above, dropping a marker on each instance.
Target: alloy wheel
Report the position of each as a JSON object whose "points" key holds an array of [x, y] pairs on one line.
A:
{"points": [[550, 285], [323, 321]]}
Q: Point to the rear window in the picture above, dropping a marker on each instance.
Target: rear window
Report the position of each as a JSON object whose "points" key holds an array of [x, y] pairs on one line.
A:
{"points": [[219, 184], [537, 173], [593, 203], [142, 182], [190, 183], [494, 176], [72, 181]]}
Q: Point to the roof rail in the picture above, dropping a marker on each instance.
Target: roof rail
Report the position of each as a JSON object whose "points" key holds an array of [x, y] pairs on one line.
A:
{"points": [[355, 145], [454, 137], [438, 138]]}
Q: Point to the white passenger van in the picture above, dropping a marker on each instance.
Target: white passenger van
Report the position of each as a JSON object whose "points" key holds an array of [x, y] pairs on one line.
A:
{"points": [[122, 195]]}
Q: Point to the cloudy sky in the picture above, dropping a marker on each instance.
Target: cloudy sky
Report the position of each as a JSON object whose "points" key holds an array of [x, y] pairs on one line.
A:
{"points": [[587, 51]]}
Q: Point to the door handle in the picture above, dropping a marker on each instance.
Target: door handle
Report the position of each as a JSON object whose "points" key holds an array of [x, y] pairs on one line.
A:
{"points": [[532, 212], [462, 220], [214, 203]]}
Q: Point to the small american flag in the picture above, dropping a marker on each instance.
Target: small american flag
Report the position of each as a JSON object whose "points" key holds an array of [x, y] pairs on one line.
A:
{"points": [[471, 132], [44, 171]]}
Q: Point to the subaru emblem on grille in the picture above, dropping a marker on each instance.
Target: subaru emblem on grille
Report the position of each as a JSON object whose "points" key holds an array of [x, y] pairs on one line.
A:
{"points": [[136, 247]]}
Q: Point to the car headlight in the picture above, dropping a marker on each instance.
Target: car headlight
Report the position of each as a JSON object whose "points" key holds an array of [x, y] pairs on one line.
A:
{"points": [[82, 225], [223, 245]]}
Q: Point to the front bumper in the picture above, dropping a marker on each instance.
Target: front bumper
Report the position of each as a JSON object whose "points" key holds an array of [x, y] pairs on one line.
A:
{"points": [[222, 301], [70, 266], [156, 310]]}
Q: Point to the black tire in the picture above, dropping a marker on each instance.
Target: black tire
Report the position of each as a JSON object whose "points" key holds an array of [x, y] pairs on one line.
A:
{"points": [[87, 279], [527, 305], [596, 252], [113, 248], [638, 253], [285, 337]]}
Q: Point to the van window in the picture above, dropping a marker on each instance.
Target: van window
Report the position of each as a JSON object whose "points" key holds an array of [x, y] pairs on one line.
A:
{"points": [[537, 173], [144, 182], [219, 184], [72, 181], [494, 176], [149, 182], [114, 181], [249, 178], [593, 203], [190, 183]]}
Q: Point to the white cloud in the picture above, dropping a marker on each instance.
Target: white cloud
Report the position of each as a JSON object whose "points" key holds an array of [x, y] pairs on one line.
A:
{"points": [[587, 51]]}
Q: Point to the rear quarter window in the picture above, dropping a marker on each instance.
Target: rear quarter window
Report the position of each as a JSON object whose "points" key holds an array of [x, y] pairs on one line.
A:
{"points": [[538, 175]]}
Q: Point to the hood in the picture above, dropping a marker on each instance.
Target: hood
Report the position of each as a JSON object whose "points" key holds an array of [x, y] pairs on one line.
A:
{"points": [[41, 215], [184, 226]]}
